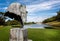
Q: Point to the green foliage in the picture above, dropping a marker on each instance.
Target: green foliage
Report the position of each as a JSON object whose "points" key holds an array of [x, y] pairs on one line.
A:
{"points": [[12, 22], [58, 15], [50, 19], [49, 27], [2, 21], [2, 13], [30, 23], [3, 18], [54, 18]]}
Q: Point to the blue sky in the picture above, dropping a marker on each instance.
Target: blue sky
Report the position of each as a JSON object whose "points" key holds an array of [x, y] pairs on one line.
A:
{"points": [[38, 10]]}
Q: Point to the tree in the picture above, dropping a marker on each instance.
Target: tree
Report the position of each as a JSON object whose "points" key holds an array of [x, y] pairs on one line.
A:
{"points": [[54, 18], [58, 15], [12, 22], [50, 19], [2, 21]]}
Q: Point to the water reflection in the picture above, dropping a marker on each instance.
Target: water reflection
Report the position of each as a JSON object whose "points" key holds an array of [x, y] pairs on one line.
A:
{"points": [[36, 26]]}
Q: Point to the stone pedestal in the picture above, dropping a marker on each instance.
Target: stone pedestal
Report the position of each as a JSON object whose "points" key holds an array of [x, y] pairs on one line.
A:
{"points": [[18, 34]]}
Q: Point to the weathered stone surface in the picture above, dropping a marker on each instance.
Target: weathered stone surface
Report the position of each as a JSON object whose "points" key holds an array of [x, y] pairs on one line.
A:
{"points": [[18, 9], [18, 34]]}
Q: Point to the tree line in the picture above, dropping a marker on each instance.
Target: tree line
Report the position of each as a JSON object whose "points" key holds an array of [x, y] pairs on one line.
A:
{"points": [[8, 22], [54, 18]]}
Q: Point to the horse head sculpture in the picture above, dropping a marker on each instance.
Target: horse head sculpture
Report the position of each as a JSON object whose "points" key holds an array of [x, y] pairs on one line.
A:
{"points": [[17, 11]]}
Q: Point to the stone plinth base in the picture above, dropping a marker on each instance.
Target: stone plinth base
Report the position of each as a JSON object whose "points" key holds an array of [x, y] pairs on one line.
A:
{"points": [[18, 34]]}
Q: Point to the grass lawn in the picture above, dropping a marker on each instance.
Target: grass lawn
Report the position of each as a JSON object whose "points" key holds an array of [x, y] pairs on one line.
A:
{"points": [[34, 34], [54, 23], [44, 34], [4, 33]]}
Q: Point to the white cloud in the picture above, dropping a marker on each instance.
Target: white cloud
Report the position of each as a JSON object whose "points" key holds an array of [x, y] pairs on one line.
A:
{"points": [[4, 8], [47, 5], [35, 19], [41, 6], [30, 14]]}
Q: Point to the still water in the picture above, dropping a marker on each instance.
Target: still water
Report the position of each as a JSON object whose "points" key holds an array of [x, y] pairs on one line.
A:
{"points": [[36, 26]]}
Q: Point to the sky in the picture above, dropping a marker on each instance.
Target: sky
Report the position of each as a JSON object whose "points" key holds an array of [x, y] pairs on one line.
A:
{"points": [[38, 10]]}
